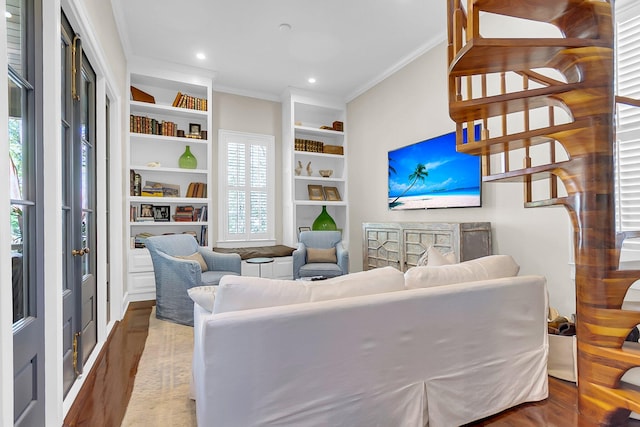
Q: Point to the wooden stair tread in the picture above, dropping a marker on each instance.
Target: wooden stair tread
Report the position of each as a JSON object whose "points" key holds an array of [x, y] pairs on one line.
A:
{"points": [[535, 173], [512, 102], [512, 54], [536, 10], [627, 396], [518, 140], [556, 201]]}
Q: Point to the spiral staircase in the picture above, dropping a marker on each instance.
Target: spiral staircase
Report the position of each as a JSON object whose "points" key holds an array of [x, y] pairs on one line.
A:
{"points": [[568, 77]]}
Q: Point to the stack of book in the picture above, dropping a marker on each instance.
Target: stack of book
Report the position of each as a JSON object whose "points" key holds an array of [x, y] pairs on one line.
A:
{"points": [[142, 124], [197, 189], [182, 100], [184, 214], [140, 240], [159, 189], [200, 214]]}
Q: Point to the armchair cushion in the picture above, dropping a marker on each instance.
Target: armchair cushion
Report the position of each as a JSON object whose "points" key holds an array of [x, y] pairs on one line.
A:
{"points": [[321, 255], [195, 257]]}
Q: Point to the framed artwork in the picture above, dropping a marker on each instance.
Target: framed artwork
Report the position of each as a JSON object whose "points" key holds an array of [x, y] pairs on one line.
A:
{"points": [[146, 211], [301, 229], [315, 192], [162, 213], [332, 194], [194, 129]]}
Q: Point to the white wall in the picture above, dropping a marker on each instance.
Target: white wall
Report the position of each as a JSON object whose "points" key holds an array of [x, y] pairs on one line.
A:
{"points": [[410, 106], [253, 115]]}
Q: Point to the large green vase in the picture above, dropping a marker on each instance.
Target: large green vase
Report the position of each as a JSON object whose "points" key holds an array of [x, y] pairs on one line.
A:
{"points": [[188, 160], [324, 222]]}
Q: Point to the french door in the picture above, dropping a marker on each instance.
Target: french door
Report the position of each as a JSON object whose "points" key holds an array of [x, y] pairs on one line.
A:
{"points": [[78, 209], [24, 34]]}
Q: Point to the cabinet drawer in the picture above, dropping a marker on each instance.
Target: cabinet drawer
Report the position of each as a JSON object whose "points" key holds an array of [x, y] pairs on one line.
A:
{"points": [[142, 286], [139, 261]]}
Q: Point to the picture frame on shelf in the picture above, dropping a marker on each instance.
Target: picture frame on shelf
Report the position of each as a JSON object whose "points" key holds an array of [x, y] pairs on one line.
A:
{"points": [[301, 229], [194, 129], [315, 192], [332, 194], [146, 211], [162, 213]]}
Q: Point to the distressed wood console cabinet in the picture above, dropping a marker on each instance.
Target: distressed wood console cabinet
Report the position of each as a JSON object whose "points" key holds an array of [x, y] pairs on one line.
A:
{"points": [[400, 244]]}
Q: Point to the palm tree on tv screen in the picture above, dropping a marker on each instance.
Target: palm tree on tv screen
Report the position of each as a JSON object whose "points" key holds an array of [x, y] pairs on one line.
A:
{"points": [[418, 174]]}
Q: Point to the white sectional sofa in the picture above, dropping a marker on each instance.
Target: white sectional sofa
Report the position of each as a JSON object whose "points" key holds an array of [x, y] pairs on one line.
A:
{"points": [[375, 348]]}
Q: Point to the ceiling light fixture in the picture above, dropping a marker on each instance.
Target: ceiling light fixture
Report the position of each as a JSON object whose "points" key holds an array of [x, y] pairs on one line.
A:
{"points": [[311, 80], [284, 27], [200, 55], [7, 14]]}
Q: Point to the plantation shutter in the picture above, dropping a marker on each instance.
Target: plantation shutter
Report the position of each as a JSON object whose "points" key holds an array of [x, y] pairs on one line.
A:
{"points": [[628, 120], [247, 196]]}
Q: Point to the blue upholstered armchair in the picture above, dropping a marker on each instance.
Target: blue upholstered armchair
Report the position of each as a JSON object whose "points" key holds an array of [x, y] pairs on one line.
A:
{"points": [[175, 275], [316, 265]]}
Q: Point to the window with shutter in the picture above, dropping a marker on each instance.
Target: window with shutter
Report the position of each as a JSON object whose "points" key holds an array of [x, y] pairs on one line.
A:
{"points": [[628, 117], [246, 188]]}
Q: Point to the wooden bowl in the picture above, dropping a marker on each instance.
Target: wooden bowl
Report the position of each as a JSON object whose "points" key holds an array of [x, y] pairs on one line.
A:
{"points": [[326, 172]]}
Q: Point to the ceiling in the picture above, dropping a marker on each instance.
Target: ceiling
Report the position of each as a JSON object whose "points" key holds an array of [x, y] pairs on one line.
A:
{"points": [[347, 46]]}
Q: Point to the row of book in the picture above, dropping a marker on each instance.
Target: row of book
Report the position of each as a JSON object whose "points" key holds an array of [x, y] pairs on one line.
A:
{"points": [[197, 189], [308, 145], [143, 124], [139, 240], [190, 214], [183, 100]]}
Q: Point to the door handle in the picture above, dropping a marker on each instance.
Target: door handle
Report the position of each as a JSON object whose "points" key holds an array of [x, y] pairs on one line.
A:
{"points": [[80, 252]]}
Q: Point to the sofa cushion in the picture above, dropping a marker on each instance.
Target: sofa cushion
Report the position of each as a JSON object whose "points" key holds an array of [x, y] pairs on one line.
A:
{"points": [[195, 257], [489, 267], [245, 293], [321, 255], [369, 282], [204, 296]]}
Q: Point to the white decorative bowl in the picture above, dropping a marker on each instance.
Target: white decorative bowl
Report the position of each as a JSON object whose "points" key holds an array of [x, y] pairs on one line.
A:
{"points": [[326, 172]]}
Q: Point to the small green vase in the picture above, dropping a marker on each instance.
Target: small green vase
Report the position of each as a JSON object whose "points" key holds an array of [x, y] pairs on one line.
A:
{"points": [[324, 222], [188, 160]]}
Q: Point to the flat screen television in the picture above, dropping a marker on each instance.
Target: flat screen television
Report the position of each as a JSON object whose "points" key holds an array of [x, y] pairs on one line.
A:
{"points": [[431, 174]]}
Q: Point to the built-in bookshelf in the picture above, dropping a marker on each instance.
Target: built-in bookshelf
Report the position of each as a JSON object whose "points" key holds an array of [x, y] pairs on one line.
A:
{"points": [[163, 196], [314, 142]]}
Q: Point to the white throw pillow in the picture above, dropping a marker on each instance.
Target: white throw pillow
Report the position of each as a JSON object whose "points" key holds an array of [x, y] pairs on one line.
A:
{"points": [[376, 281], [489, 267], [434, 257], [204, 296], [244, 293]]}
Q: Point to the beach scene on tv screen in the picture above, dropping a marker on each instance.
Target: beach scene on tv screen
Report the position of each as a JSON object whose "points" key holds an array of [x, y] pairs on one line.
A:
{"points": [[432, 174]]}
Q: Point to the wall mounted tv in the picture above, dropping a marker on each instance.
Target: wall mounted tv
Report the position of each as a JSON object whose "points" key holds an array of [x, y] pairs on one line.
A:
{"points": [[432, 174]]}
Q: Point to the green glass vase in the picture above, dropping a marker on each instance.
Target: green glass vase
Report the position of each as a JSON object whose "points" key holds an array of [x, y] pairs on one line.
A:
{"points": [[188, 160], [324, 222]]}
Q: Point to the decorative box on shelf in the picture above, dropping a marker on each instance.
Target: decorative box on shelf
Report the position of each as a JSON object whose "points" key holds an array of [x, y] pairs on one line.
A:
{"points": [[333, 149]]}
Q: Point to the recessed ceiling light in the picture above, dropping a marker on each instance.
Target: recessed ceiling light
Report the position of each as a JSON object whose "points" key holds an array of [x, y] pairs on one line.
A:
{"points": [[200, 55], [284, 27], [7, 14], [311, 80]]}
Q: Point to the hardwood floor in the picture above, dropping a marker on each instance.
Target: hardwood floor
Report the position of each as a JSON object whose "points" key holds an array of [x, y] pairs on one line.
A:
{"points": [[104, 396], [103, 399]]}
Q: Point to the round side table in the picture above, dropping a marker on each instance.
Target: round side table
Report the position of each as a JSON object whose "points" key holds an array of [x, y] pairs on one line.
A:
{"points": [[259, 261]]}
